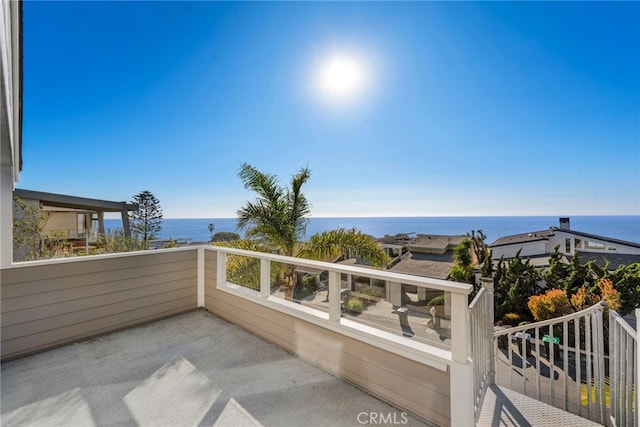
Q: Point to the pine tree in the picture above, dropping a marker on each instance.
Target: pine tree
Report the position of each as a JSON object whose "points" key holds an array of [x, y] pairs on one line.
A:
{"points": [[557, 274], [487, 265], [146, 222]]}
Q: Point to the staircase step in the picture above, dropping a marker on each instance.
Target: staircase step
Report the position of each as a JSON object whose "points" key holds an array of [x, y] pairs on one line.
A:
{"points": [[504, 407]]}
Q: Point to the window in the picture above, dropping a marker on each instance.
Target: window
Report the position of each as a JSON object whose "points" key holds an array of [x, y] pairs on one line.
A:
{"points": [[594, 245], [611, 248], [567, 245], [577, 244], [80, 225], [80, 222]]}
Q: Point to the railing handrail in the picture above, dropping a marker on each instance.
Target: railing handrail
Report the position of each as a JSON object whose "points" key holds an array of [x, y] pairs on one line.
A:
{"points": [[70, 259], [623, 323], [597, 307], [477, 298], [425, 282]]}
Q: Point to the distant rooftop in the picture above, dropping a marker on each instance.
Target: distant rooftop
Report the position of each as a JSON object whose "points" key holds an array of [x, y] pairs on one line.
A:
{"points": [[434, 243], [73, 202], [425, 264], [601, 258], [523, 238]]}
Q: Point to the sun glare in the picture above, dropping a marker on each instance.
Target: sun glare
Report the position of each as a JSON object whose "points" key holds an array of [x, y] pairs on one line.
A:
{"points": [[341, 77]]}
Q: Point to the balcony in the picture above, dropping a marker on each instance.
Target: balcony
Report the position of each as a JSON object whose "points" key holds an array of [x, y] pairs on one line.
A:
{"points": [[196, 343], [46, 304]]}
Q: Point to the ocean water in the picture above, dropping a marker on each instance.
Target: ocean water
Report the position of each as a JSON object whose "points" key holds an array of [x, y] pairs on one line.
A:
{"points": [[619, 227]]}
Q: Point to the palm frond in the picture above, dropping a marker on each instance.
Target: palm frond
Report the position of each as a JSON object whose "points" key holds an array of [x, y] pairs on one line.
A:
{"points": [[277, 214], [348, 243], [265, 185], [298, 205]]}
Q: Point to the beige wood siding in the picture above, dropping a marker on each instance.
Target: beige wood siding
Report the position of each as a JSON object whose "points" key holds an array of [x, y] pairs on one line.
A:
{"points": [[410, 385], [55, 303]]}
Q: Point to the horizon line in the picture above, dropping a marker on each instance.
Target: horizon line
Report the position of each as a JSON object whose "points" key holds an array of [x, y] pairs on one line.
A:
{"points": [[432, 216]]}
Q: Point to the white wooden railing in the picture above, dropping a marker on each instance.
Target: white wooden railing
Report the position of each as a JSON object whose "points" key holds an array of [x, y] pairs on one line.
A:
{"points": [[454, 359], [482, 355], [623, 364]]}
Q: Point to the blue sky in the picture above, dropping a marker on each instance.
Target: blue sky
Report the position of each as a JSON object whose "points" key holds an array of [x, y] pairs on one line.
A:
{"points": [[466, 109]]}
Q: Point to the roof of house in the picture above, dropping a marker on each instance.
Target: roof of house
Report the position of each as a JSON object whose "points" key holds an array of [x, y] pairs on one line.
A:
{"points": [[615, 259], [434, 243], [425, 264], [74, 202], [536, 260], [397, 239], [523, 238], [545, 234]]}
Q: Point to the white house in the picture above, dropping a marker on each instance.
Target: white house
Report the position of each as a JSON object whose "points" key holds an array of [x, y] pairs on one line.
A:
{"points": [[543, 242]]}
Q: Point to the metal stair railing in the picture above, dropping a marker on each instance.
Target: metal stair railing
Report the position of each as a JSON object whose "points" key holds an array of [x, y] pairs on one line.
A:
{"points": [[571, 374], [623, 359], [482, 355]]}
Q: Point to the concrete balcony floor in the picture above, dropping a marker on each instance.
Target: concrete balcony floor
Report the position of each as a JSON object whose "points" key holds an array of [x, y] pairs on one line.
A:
{"points": [[194, 369]]}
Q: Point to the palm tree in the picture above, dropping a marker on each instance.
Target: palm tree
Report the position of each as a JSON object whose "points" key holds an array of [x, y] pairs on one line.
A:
{"points": [[478, 239], [278, 215], [211, 228], [277, 219]]}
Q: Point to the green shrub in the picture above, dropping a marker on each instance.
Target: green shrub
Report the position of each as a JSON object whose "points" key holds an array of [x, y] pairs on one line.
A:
{"points": [[374, 292], [170, 244], [355, 304], [511, 319], [439, 300], [310, 282], [306, 286], [366, 289]]}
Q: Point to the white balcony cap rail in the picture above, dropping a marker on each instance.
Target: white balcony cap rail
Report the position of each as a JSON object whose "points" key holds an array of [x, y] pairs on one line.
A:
{"points": [[73, 259], [623, 324], [438, 284]]}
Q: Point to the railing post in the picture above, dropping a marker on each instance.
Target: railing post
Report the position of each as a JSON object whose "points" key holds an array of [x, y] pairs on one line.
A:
{"points": [[221, 269], [200, 276], [487, 283], [334, 296], [265, 278], [462, 394], [395, 293]]}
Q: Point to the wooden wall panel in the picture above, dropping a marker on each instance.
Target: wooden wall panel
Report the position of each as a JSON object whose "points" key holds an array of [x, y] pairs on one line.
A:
{"points": [[48, 304]]}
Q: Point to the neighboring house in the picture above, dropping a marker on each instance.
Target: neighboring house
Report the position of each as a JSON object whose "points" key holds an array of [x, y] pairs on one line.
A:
{"points": [[539, 243], [428, 256], [75, 218], [537, 247], [394, 245]]}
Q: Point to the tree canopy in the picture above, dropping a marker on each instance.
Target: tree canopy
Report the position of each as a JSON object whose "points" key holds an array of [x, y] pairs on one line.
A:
{"points": [[146, 222], [277, 220]]}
